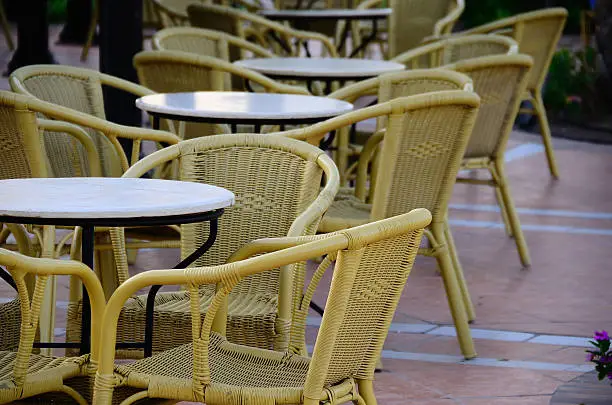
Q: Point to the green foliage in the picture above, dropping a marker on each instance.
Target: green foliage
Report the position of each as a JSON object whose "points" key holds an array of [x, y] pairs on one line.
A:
{"points": [[57, 10], [570, 85]]}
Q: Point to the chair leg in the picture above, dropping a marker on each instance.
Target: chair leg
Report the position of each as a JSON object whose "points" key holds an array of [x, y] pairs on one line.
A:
{"points": [[540, 111], [91, 33], [6, 28], [366, 391], [504, 212], [453, 294], [515, 224], [47, 310], [465, 293]]}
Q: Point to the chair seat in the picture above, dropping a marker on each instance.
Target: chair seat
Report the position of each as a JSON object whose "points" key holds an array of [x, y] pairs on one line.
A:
{"points": [[236, 371], [45, 374], [252, 320], [345, 212]]}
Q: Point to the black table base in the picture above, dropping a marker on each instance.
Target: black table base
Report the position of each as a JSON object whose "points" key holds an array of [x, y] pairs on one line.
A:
{"points": [[88, 237]]}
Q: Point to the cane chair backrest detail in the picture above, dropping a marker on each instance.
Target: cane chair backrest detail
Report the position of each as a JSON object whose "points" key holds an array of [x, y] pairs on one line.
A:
{"points": [[500, 81]]}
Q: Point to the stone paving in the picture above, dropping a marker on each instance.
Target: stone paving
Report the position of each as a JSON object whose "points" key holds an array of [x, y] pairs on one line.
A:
{"points": [[531, 325]]}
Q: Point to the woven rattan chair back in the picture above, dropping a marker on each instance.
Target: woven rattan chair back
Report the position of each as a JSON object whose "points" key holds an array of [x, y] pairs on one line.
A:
{"points": [[413, 20], [537, 34], [208, 43], [21, 150], [267, 203], [279, 38], [456, 48], [421, 153], [276, 182], [81, 90], [368, 280], [500, 82]]}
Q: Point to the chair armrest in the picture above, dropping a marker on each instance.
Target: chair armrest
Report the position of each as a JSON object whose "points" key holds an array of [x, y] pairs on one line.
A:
{"points": [[20, 265], [445, 24], [111, 130], [353, 92], [315, 36], [80, 135], [125, 85]]}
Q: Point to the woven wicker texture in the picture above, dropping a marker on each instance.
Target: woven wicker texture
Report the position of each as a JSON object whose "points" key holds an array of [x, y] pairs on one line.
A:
{"points": [[372, 263], [10, 319], [276, 186], [456, 48], [278, 38], [208, 43], [80, 90], [388, 87], [537, 33], [500, 81], [24, 374], [418, 161]]}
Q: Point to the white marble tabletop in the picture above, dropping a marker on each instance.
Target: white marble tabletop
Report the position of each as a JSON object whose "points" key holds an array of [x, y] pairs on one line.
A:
{"points": [[345, 68], [244, 106], [331, 13], [85, 198]]}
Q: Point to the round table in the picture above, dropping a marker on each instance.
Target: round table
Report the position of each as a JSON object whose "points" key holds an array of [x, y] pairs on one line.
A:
{"points": [[110, 202], [320, 69], [585, 389], [303, 18], [236, 108]]}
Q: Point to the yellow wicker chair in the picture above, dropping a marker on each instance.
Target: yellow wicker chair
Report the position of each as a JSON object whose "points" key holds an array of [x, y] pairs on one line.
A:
{"points": [[207, 43], [385, 88], [279, 38], [80, 90], [173, 13], [372, 263], [500, 81], [537, 33], [424, 140], [413, 20], [6, 28], [176, 71], [24, 374], [456, 48], [276, 182]]}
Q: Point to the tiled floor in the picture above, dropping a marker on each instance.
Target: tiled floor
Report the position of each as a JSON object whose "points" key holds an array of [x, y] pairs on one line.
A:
{"points": [[531, 323]]}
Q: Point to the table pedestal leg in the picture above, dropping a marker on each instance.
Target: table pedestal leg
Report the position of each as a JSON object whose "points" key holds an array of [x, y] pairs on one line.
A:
{"points": [[212, 236], [88, 259]]}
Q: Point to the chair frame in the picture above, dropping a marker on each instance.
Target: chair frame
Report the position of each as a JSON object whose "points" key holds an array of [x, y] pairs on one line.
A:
{"points": [[347, 245], [438, 233], [514, 27], [31, 299], [290, 280]]}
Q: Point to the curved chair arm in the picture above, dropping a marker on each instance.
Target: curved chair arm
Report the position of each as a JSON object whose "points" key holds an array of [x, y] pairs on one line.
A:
{"points": [[152, 161], [315, 36], [352, 92], [20, 265], [95, 167], [20, 76], [208, 62], [160, 36], [445, 24], [111, 130]]}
